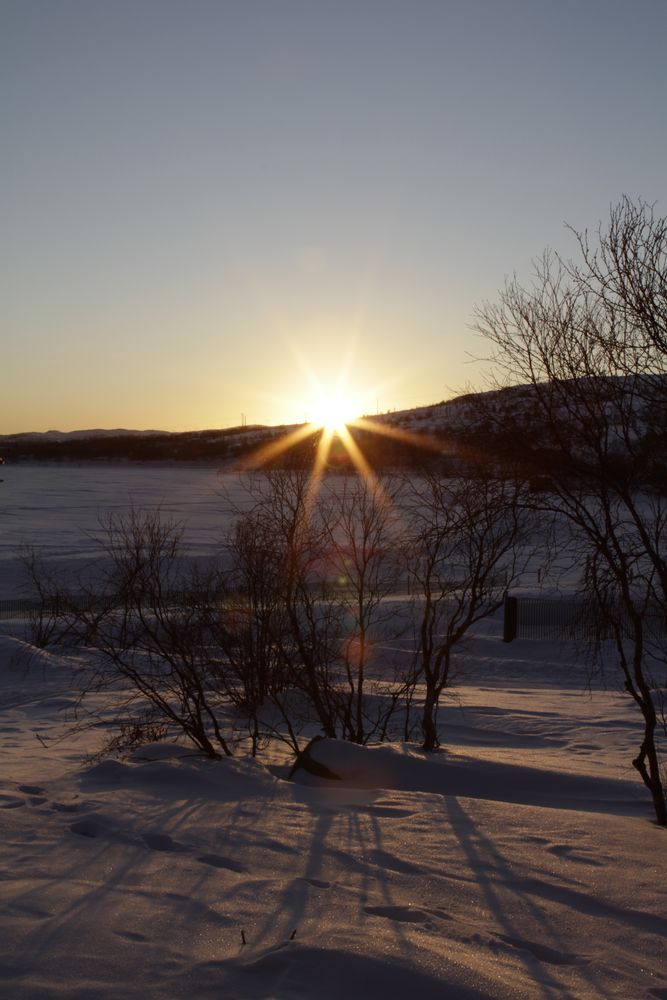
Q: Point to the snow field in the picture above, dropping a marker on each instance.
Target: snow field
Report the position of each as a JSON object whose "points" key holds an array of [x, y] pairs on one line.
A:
{"points": [[521, 861]]}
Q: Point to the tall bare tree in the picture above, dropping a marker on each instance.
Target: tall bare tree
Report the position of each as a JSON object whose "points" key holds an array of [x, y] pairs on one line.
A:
{"points": [[589, 339]]}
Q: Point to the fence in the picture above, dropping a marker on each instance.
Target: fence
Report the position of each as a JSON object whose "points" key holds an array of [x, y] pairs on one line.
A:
{"points": [[570, 618], [523, 618], [24, 609], [18, 608]]}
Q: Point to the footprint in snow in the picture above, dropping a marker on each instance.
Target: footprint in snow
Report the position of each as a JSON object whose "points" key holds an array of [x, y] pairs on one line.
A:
{"points": [[131, 936], [542, 952], [11, 802], [567, 852], [391, 863], [404, 914], [162, 842], [91, 827], [318, 883], [14, 801], [217, 861], [87, 828]]}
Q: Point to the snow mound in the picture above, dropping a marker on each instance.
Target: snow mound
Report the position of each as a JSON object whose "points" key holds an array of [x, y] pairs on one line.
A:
{"points": [[173, 771], [402, 768]]}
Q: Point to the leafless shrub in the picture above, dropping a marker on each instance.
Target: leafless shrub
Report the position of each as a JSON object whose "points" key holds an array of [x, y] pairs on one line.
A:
{"points": [[465, 545]]}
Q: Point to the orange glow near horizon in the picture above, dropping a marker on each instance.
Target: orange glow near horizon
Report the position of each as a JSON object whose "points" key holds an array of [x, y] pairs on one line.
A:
{"points": [[333, 415]]}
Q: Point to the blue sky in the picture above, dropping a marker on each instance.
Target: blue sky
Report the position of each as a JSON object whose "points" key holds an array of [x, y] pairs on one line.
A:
{"points": [[209, 207]]}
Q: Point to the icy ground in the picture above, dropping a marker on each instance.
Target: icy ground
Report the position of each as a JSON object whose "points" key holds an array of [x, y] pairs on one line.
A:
{"points": [[522, 861]]}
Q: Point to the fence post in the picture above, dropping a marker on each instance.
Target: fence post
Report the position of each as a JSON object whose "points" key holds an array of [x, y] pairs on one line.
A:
{"points": [[509, 618]]}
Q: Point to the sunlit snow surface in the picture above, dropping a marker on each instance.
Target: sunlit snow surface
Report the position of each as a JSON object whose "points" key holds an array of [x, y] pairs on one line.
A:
{"points": [[520, 862]]}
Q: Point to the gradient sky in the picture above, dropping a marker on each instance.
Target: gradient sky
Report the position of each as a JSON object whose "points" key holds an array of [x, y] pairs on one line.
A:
{"points": [[204, 201]]}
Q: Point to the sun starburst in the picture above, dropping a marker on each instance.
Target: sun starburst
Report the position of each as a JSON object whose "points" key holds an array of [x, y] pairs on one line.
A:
{"points": [[333, 419]]}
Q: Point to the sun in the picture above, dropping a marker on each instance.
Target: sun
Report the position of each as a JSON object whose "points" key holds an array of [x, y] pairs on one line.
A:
{"points": [[333, 425], [333, 411]]}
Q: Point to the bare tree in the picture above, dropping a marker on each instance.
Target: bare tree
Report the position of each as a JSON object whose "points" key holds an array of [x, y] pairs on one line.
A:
{"points": [[262, 644], [589, 340], [154, 631], [51, 599], [365, 544], [304, 621], [625, 267], [314, 564], [466, 536], [254, 608]]}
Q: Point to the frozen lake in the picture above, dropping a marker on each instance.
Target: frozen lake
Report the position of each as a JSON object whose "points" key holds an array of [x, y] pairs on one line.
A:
{"points": [[57, 509]]}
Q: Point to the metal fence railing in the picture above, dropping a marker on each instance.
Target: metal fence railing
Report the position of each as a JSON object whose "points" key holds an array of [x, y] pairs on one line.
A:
{"points": [[571, 618], [18, 608], [546, 618], [25, 609]]}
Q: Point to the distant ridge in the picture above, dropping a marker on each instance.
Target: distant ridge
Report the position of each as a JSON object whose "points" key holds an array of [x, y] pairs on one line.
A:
{"points": [[123, 432], [504, 419], [97, 432]]}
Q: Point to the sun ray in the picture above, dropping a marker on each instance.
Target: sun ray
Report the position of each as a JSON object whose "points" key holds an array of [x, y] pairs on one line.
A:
{"points": [[333, 417], [319, 465], [335, 426], [357, 456], [398, 433], [275, 448]]}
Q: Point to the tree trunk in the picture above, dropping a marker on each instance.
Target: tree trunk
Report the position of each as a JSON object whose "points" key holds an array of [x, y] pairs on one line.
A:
{"points": [[429, 727]]}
